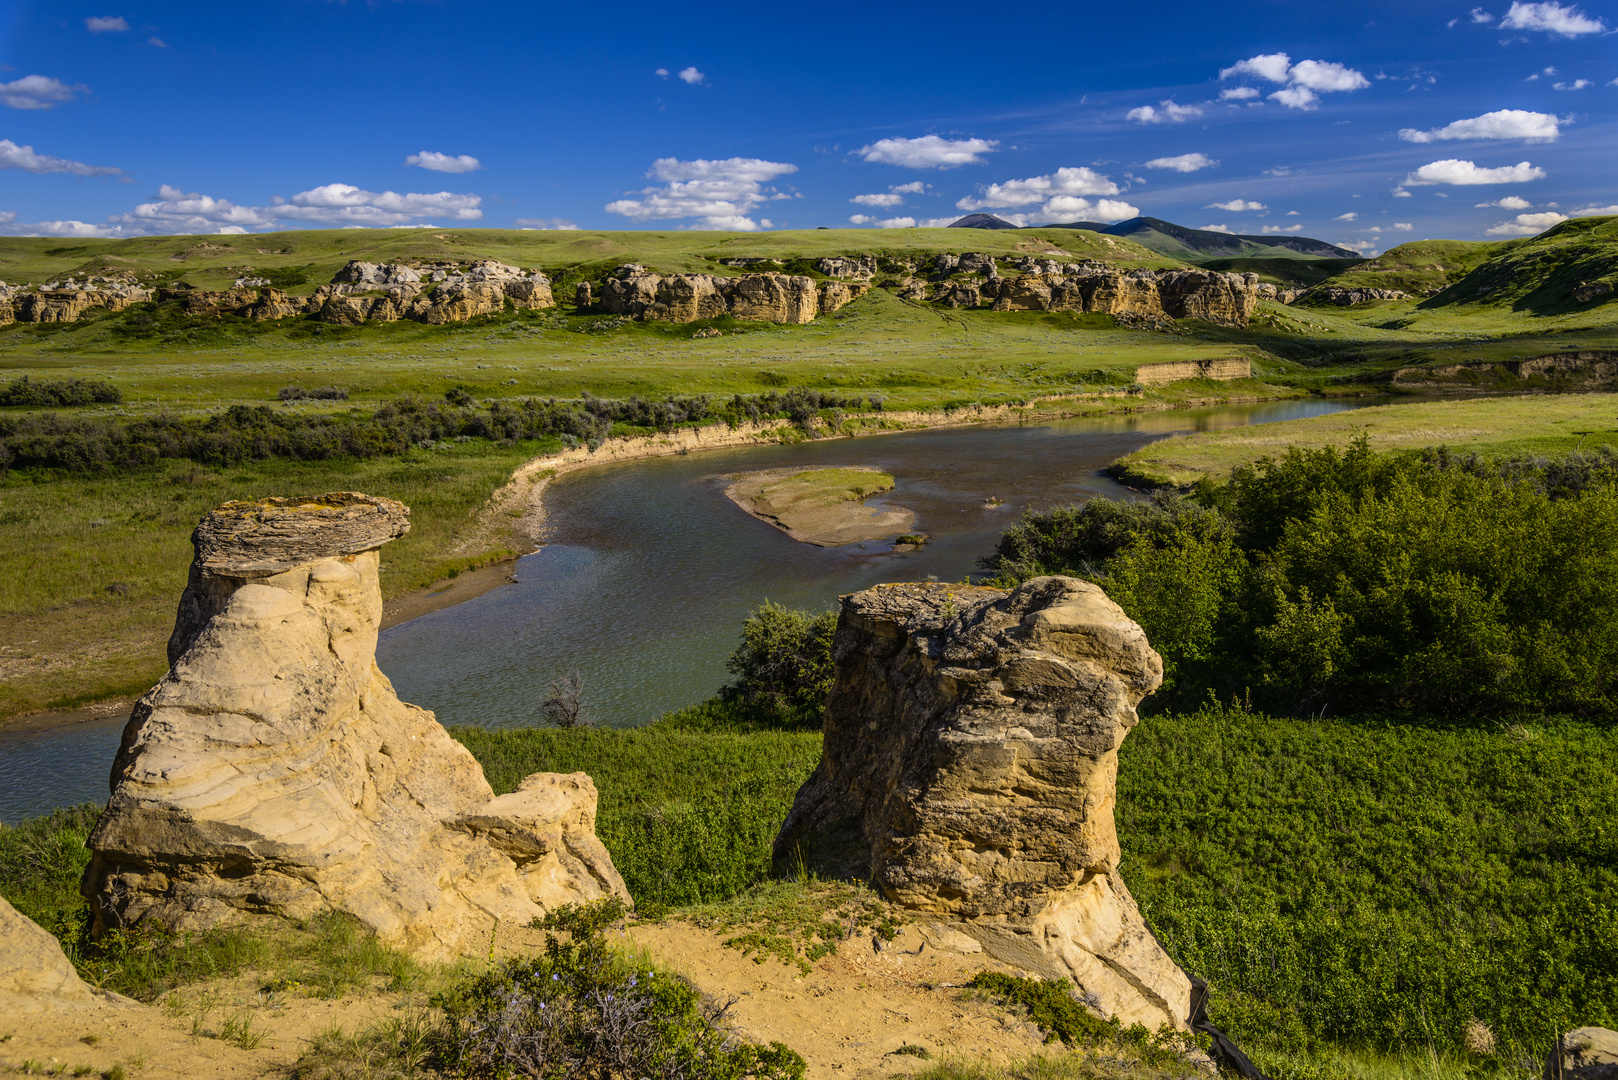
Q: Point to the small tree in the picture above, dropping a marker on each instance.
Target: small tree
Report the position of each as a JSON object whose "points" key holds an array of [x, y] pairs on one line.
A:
{"points": [[563, 705]]}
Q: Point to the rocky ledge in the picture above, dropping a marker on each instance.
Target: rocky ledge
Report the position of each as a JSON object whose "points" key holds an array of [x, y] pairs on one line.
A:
{"points": [[971, 753], [274, 773]]}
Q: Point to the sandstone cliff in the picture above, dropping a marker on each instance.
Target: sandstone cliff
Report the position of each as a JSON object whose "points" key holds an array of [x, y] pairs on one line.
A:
{"points": [[273, 772], [1224, 299], [969, 765], [680, 298]]}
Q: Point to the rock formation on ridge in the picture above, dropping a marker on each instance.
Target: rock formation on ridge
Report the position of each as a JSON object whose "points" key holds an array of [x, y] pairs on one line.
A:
{"points": [[274, 772], [969, 767]]}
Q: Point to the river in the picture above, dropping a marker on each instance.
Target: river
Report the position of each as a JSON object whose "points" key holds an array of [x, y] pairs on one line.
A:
{"points": [[649, 571]]}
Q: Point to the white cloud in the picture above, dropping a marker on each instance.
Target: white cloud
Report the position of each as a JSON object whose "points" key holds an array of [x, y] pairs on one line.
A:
{"points": [[177, 211], [719, 193], [896, 222], [927, 152], [60, 228], [345, 204], [38, 92], [1293, 213], [692, 76], [1500, 124], [1546, 72], [1527, 224], [157, 43], [1185, 163], [1481, 16], [1237, 93], [1350, 216], [1072, 208], [1552, 18], [1067, 181], [1576, 84], [1236, 206], [1455, 171], [889, 199], [1218, 228], [546, 224], [1510, 202], [1596, 211], [661, 73], [1403, 226], [1167, 111], [102, 24], [1305, 81], [1401, 193], [436, 162], [13, 156], [1282, 229]]}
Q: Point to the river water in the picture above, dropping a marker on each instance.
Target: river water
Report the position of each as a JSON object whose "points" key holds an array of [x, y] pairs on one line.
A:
{"points": [[650, 570]]}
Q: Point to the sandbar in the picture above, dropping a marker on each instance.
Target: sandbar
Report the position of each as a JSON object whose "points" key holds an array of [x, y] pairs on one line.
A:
{"points": [[823, 507]]}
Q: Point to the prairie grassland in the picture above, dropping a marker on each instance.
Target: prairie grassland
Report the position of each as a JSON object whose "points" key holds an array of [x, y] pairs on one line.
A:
{"points": [[1527, 424]]}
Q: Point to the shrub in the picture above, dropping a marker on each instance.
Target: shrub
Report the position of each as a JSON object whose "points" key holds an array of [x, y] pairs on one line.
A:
{"points": [[785, 658], [56, 393], [317, 393], [584, 1010]]}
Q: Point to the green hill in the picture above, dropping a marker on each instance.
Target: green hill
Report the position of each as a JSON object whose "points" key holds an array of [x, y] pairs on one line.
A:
{"points": [[1200, 245], [1572, 267], [1421, 267], [212, 262]]}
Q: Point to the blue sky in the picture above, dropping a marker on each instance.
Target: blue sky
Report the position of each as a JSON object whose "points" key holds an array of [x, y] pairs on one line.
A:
{"points": [[1365, 126]]}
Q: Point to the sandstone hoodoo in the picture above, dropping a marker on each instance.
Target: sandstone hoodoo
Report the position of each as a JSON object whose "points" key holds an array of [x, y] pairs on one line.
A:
{"points": [[273, 772], [971, 753]]}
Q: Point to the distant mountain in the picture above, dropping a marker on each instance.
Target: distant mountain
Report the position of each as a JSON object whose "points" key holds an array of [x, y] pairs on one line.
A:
{"points": [[981, 221], [1187, 245]]}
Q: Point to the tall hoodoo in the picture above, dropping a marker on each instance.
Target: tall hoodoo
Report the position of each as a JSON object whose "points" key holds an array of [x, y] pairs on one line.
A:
{"points": [[274, 772], [970, 761]]}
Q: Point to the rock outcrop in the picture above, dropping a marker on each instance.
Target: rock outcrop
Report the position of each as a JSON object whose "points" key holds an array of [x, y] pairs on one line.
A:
{"points": [[1587, 1053], [969, 766], [1337, 294], [35, 975], [1559, 372], [759, 297], [1222, 369], [1224, 299], [273, 772], [1281, 294]]}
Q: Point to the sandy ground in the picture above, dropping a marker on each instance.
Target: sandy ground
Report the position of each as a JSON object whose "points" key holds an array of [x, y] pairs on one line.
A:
{"points": [[847, 522], [847, 1017]]}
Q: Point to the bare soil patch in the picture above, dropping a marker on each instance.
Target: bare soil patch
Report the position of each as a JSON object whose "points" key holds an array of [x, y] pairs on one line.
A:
{"points": [[823, 507]]}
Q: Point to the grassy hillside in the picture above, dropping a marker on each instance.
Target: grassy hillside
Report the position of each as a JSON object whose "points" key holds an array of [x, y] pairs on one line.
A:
{"points": [[1291, 271], [1422, 266], [215, 261], [1197, 245], [1539, 275], [1537, 424]]}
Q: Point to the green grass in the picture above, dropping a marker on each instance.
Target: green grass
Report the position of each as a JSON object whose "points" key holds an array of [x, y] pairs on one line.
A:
{"points": [[1421, 266], [1538, 275], [1530, 424], [1379, 884], [68, 637], [824, 487]]}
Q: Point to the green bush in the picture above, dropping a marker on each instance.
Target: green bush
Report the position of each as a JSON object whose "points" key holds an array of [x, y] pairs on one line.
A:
{"points": [[1337, 579], [584, 1010], [1051, 1005], [55, 393], [784, 659]]}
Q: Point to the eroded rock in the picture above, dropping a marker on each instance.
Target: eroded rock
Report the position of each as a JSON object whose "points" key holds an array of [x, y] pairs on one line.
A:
{"points": [[1587, 1053], [35, 974], [971, 743], [273, 772]]}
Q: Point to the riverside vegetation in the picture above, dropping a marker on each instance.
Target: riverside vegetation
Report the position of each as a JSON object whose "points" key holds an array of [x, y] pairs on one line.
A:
{"points": [[1372, 811], [1379, 861]]}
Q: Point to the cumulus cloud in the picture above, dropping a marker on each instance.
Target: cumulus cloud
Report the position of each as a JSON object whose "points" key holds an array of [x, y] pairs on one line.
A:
{"points": [[546, 224], [1238, 93], [1481, 16], [890, 223], [1068, 182], [1236, 206], [1455, 171], [13, 156], [38, 92], [1283, 228], [1527, 224], [691, 76], [436, 162], [1186, 163], [895, 195], [927, 152], [720, 194], [661, 73], [1403, 226], [1552, 18], [177, 211], [1304, 81], [60, 228], [1500, 124], [1510, 202], [1165, 112], [106, 24], [345, 204], [1576, 84], [1350, 216], [1218, 228]]}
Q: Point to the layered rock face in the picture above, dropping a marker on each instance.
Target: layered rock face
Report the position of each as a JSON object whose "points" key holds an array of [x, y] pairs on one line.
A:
{"points": [[68, 300], [274, 772], [1337, 294], [681, 298], [971, 743], [1224, 299]]}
